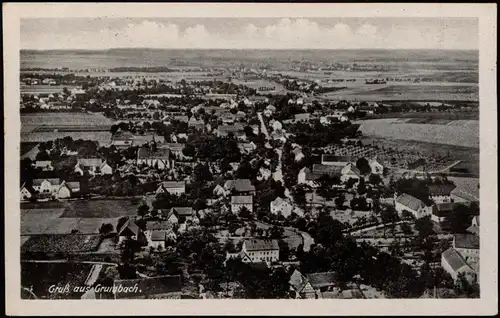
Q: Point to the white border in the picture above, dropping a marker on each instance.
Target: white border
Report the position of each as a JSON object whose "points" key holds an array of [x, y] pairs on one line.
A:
{"points": [[486, 305]]}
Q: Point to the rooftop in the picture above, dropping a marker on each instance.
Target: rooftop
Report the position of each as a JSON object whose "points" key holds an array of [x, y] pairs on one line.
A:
{"points": [[323, 279], [146, 153], [468, 241], [173, 184], [240, 185], [410, 201], [241, 199], [454, 259], [261, 245]]}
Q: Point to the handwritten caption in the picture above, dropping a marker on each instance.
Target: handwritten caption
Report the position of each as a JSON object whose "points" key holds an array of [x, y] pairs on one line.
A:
{"points": [[66, 289]]}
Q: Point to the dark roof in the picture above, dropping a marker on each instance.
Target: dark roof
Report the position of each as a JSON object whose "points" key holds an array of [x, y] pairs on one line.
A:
{"points": [[173, 184], [146, 153], [441, 189], [410, 201], [454, 259], [261, 245], [72, 185], [326, 169], [323, 279], [240, 185], [158, 225], [53, 181], [158, 235], [90, 162], [332, 158], [149, 287], [466, 241]]}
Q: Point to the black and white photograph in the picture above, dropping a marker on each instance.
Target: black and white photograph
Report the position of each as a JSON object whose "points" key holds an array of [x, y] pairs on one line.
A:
{"points": [[222, 158]]}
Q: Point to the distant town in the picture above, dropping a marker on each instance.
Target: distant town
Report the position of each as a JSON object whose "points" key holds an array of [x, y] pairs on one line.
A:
{"points": [[246, 182]]}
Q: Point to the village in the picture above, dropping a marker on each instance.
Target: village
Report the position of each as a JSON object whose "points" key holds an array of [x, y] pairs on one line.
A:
{"points": [[208, 189]]}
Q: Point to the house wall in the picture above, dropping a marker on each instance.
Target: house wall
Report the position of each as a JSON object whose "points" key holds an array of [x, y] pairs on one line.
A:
{"points": [[263, 256], [348, 175], [469, 254], [285, 209], [157, 244], [437, 219], [441, 198], [161, 163], [106, 169], [377, 168], [25, 194], [63, 193], [401, 207]]}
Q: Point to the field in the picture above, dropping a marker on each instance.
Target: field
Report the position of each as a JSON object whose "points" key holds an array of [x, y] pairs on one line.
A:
{"points": [[61, 218], [435, 117], [52, 243], [256, 84], [40, 276], [460, 133], [44, 89]]}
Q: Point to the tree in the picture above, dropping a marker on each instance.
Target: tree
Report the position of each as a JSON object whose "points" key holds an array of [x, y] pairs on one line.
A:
{"points": [[374, 179], [189, 150], [284, 250], [407, 215], [154, 213], [424, 226], [114, 129], [339, 201], [406, 228], [363, 165], [106, 228], [460, 218], [276, 232], [361, 186], [245, 213]]}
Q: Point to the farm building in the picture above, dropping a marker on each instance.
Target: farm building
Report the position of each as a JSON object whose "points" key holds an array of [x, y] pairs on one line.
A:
{"points": [[94, 166], [46, 186], [417, 207], [183, 214], [67, 189], [129, 230], [240, 186], [441, 193], [175, 148], [159, 159], [331, 160], [301, 286], [467, 245], [45, 165], [322, 282], [236, 130], [172, 187], [350, 172]]}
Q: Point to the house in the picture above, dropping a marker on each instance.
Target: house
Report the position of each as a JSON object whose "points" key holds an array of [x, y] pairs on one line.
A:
{"points": [[281, 206], [239, 202], [45, 165], [308, 177], [322, 282], [350, 172], [236, 130], [467, 245], [196, 124], [26, 192], [172, 187], [183, 214], [474, 227], [46, 186], [277, 125], [159, 287], [67, 189], [376, 167], [453, 263], [341, 161], [128, 230], [175, 148], [241, 255], [158, 233], [441, 193], [240, 186], [261, 250], [301, 286], [159, 159], [247, 147], [219, 191], [441, 211], [417, 207]]}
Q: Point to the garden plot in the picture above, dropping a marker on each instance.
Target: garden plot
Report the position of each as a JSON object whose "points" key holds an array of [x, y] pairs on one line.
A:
{"points": [[37, 221]]}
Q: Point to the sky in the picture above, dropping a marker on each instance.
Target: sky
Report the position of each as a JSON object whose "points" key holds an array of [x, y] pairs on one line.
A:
{"points": [[250, 33]]}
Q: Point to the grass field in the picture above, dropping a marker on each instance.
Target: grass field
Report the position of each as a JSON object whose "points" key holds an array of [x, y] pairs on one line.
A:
{"points": [[102, 137], [99, 209], [464, 134]]}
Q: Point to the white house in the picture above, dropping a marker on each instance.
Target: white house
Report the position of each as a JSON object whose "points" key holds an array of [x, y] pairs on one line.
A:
{"points": [[280, 205], [46, 186], [441, 193], [261, 250], [158, 233], [45, 165], [66, 189], [26, 192], [219, 191], [238, 202], [129, 230], [298, 154], [413, 205], [376, 167], [350, 172], [94, 166], [172, 187]]}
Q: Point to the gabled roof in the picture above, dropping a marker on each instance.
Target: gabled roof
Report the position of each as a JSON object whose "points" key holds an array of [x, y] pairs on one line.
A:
{"points": [[90, 162], [73, 185], [323, 279], [184, 211], [261, 245], [318, 168], [241, 199], [353, 169], [158, 225], [129, 227], [172, 146], [332, 158], [454, 259], [150, 286], [240, 185], [441, 189], [410, 201], [297, 280], [468, 241], [43, 163], [279, 201], [173, 184]]}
